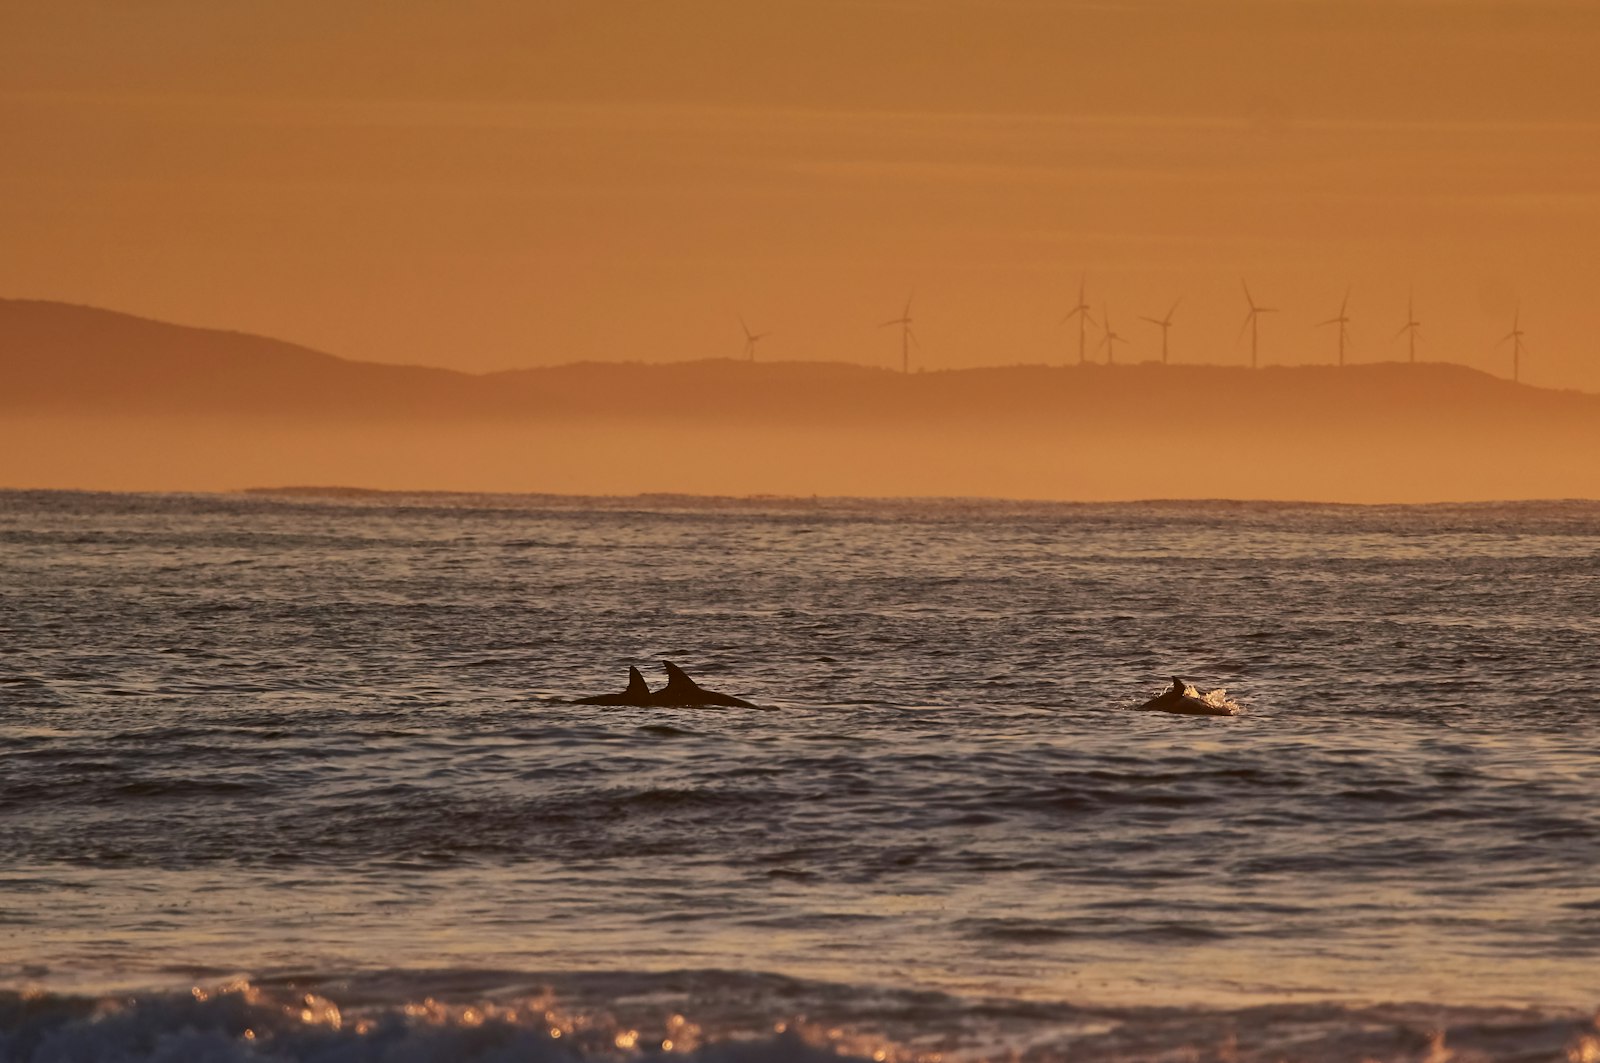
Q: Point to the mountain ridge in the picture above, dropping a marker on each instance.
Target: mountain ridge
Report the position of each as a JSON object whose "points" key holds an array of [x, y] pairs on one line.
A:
{"points": [[62, 358]]}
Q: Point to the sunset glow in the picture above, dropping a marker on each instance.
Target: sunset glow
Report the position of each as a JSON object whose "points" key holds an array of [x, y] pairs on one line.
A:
{"points": [[799, 531], [496, 184]]}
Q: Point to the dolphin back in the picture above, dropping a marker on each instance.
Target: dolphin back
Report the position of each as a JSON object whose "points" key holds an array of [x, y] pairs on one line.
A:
{"points": [[1177, 699], [637, 694], [680, 691], [683, 691]]}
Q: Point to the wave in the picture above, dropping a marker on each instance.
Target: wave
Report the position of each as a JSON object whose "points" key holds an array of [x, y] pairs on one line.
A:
{"points": [[727, 1017]]}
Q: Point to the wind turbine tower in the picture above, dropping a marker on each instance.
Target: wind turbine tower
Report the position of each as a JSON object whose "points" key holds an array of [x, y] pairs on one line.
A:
{"points": [[906, 338], [750, 339], [1164, 323], [1343, 320], [1515, 336], [1411, 326], [1081, 312], [1111, 339], [1250, 322]]}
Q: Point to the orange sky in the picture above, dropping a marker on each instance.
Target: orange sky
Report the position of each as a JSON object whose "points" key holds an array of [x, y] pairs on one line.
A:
{"points": [[492, 183]]}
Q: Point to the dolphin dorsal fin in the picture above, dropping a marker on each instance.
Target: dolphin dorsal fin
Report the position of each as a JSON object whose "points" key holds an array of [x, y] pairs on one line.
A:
{"points": [[677, 680], [1179, 686], [637, 687]]}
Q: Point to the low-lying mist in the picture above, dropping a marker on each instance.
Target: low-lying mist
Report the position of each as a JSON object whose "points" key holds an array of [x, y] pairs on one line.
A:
{"points": [[626, 456]]}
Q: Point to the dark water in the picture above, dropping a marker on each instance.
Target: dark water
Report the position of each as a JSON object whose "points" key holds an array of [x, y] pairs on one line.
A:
{"points": [[326, 745]]}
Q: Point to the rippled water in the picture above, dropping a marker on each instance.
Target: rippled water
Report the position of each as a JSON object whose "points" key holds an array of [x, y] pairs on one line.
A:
{"points": [[330, 742]]}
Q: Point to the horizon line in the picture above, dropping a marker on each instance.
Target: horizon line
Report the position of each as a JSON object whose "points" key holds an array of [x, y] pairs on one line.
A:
{"points": [[334, 491]]}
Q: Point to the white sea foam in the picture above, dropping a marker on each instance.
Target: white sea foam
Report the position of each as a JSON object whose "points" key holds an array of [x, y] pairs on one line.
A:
{"points": [[241, 1021]]}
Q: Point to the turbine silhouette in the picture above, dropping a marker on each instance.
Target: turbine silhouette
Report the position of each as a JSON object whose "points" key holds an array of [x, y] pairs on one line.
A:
{"points": [[1342, 321], [1411, 326], [1164, 323], [1515, 336], [1111, 339], [1081, 312], [750, 339], [906, 336], [1250, 322]]}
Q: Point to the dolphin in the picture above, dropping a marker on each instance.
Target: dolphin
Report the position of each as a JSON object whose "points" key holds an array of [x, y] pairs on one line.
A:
{"points": [[1179, 700], [638, 693], [681, 690]]}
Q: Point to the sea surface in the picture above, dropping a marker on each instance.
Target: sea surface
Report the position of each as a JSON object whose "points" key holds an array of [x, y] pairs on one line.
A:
{"points": [[300, 776]]}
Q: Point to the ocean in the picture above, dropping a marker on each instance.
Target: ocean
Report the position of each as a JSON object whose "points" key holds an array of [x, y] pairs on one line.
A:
{"points": [[299, 776]]}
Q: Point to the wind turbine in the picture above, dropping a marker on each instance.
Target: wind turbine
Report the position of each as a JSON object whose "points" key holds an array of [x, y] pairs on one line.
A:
{"points": [[750, 339], [1250, 321], [1081, 312], [906, 338], [1515, 336], [1411, 326], [1111, 339], [1165, 323], [1342, 321]]}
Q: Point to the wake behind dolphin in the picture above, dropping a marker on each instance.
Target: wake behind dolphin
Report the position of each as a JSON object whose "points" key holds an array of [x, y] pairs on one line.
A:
{"points": [[1178, 699], [680, 692]]}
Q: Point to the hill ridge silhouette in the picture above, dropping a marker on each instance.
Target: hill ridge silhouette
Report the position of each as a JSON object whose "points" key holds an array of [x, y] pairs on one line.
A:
{"points": [[98, 399], [63, 358]]}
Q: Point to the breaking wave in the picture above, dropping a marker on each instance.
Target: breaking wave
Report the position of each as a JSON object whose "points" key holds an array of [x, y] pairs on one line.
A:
{"points": [[722, 1017]]}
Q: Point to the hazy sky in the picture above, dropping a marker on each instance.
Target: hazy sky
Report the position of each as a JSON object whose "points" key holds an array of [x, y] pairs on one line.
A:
{"points": [[494, 183]]}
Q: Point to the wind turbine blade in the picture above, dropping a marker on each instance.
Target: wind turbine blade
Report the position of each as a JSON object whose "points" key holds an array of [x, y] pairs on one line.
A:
{"points": [[1247, 296], [1344, 304], [913, 337], [1330, 321], [1245, 327], [1174, 308], [1403, 330], [1153, 320]]}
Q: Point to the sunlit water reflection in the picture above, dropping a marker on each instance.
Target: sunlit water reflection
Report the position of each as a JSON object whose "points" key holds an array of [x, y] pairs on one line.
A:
{"points": [[254, 735]]}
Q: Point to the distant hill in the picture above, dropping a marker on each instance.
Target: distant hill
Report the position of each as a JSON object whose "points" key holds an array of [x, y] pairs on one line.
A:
{"points": [[94, 398], [60, 358], [55, 357]]}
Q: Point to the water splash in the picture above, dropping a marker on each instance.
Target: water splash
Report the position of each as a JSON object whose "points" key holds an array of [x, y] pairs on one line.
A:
{"points": [[1217, 698]]}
